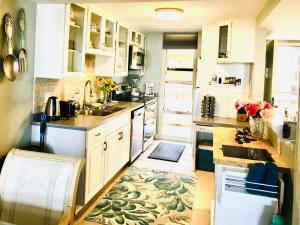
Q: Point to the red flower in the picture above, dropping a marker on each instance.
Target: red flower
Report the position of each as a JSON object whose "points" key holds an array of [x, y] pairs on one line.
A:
{"points": [[251, 109], [267, 105], [237, 105]]}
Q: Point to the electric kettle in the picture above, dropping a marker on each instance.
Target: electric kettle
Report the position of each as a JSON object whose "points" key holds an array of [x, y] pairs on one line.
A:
{"points": [[52, 108]]}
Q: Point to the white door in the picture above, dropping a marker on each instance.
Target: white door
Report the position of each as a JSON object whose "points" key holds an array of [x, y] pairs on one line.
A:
{"points": [[177, 95]]}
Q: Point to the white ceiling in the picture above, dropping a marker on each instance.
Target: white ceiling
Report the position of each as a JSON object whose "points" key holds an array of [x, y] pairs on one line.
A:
{"points": [[196, 13], [284, 21]]}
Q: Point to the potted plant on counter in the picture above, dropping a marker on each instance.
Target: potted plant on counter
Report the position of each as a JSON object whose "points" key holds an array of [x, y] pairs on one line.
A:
{"points": [[104, 87], [258, 112]]}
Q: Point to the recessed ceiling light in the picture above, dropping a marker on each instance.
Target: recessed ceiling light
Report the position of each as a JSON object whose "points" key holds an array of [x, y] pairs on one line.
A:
{"points": [[169, 14]]}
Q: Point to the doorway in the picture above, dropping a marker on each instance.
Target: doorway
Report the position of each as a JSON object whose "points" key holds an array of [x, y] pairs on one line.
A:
{"points": [[177, 95]]}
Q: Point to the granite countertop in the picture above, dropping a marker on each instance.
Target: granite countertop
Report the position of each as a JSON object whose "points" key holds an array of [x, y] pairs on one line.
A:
{"points": [[221, 121], [88, 122], [226, 136]]}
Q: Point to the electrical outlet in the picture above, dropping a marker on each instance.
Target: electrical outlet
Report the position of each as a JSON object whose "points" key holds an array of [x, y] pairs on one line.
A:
{"points": [[46, 96]]}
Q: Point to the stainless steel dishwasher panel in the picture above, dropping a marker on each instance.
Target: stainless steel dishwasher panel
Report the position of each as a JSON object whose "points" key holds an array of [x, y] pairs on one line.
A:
{"points": [[137, 133]]}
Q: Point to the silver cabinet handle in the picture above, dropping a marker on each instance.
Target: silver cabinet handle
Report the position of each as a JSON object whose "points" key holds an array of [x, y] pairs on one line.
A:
{"points": [[97, 135]]}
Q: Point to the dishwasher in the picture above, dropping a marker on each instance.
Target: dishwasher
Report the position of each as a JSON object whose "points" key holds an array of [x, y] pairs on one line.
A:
{"points": [[137, 133]]}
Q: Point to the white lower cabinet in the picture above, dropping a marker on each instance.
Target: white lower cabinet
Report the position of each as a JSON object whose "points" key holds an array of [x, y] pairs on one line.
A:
{"points": [[111, 156], [106, 149], [107, 155], [94, 168], [117, 153]]}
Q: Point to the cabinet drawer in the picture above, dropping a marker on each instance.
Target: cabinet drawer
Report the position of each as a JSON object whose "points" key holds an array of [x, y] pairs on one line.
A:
{"points": [[95, 135], [118, 122]]}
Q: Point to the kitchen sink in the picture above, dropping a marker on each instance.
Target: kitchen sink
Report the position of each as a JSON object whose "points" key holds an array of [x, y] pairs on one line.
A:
{"points": [[247, 153], [114, 108], [101, 112]]}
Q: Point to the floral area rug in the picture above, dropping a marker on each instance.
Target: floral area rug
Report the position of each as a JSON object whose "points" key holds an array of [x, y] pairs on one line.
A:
{"points": [[144, 197]]}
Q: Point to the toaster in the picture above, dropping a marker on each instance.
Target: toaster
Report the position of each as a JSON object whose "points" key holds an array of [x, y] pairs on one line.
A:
{"points": [[67, 109]]}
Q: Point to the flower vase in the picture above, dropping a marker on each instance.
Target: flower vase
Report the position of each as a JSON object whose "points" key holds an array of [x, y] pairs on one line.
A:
{"points": [[103, 97], [257, 126]]}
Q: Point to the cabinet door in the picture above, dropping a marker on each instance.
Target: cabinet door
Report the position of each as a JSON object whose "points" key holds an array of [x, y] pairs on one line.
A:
{"points": [[122, 48], [75, 39], [108, 36], [93, 33], [95, 168], [49, 41], [112, 157], [124, 145], [224, 40]]}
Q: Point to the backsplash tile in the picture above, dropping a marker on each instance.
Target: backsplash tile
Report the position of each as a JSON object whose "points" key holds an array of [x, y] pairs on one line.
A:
{"points": [[65, 88]]}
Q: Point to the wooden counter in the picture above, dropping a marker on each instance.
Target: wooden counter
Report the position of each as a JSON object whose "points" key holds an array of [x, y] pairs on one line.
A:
{"points": [[226, 136]]}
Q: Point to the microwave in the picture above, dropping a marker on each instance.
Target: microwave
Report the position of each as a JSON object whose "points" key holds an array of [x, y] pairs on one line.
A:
{"points": [[136, 58]]}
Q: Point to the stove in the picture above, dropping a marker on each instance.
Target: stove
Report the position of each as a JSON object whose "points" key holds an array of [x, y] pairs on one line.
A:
{"points": [[123, 93]]}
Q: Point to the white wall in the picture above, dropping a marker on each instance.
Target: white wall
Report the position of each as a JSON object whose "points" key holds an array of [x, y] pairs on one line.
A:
{"points": [[226, 95], [258, 68], [154, 56]]}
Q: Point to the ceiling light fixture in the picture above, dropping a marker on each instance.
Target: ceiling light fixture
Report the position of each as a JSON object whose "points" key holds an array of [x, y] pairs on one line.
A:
{"points": [[169, 14]]}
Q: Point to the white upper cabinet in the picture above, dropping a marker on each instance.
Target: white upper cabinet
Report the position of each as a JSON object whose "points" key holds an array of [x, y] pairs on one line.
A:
{"points": [[101, 34], [122, 50], [235, 41], [60, 40], [94, 26], [136, 38]]}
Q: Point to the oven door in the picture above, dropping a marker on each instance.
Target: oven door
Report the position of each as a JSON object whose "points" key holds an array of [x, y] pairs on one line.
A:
{"points": [[137, 58]]}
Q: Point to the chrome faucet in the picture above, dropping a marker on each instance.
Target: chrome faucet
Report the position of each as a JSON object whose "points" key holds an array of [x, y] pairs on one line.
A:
{"points": [[85, 103]]}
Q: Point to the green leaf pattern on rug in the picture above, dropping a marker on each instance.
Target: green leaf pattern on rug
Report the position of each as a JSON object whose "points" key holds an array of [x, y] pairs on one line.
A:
{"points": [[144, 197]]}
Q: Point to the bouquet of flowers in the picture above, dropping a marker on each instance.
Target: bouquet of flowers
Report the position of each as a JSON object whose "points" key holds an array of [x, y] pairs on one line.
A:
{"points": [[105, 84], [258, 112], [259, 109]]}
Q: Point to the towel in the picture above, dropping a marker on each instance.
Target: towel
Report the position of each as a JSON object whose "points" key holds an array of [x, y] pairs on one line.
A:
{"points": [[256, 174], [263, 174], [271, 178]]}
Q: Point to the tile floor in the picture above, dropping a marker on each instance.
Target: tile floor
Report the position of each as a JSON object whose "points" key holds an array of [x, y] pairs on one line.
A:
{"points": [[205, 183]]}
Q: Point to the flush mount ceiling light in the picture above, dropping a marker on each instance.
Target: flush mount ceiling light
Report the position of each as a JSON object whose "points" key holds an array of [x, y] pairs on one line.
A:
{"points": [[169, 14]]}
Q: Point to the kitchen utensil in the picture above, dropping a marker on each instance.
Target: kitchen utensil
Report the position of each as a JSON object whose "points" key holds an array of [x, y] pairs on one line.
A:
{"points": [[22, 53], [52, 108], [10, 63]]}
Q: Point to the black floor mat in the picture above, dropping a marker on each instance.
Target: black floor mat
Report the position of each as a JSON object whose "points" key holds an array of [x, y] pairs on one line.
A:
{"points": [[167, 152]]}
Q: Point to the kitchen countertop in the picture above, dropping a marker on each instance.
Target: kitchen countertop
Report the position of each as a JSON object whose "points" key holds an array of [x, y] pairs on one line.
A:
{"points": [[221, 121], [88, 122], [226, 136]]}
